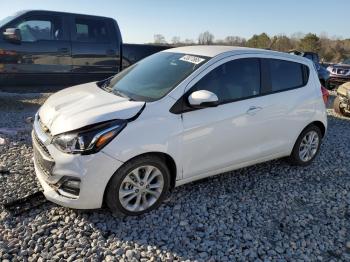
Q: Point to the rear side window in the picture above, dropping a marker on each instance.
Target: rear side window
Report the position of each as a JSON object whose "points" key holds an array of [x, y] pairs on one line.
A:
{"points": [[91, 30], [285, 75], [234, 80]]}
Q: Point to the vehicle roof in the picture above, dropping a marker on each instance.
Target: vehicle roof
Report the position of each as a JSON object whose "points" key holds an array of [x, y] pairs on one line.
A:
{"points": [[59, 12], [215, 50]]}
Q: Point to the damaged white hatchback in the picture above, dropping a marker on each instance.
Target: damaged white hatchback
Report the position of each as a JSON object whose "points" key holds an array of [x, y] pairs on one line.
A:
{"points": [[177, 116]]}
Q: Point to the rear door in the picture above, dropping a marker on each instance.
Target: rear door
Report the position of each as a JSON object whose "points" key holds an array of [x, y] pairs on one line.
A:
{"points": [[287, 101], [94, 48], [43, 55]]}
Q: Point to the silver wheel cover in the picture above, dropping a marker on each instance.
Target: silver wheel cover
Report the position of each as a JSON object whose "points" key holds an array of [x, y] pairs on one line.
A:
{"points": [[308, 146], [141, 188]]}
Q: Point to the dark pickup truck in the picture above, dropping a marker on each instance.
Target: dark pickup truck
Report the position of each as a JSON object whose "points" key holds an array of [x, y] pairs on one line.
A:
{"points": [[56, 48]]}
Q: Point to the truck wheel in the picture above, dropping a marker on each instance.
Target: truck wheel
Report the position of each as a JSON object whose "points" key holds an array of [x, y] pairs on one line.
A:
{"points": [[139, 186], [337, 108], [306, 147]]}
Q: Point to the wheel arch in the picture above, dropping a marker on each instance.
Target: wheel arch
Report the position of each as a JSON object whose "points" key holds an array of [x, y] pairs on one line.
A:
{"points": [[320, 125], [169, 161]]}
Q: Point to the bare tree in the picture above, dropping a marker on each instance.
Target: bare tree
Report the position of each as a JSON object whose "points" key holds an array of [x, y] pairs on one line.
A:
{"points": [[159, 39], [175, 40], [205, 38], [235, 40], [189, 41]]}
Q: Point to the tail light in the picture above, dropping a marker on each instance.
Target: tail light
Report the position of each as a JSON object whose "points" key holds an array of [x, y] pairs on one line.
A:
{"points": [[325, 95]]}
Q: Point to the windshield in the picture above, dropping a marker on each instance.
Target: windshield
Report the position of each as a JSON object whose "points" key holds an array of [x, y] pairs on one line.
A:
{"points": [[9, 18], [155, 76]]}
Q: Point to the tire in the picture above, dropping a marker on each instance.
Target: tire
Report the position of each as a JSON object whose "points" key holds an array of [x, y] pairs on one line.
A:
{"points": [[131, 177], [295, 158], [337, 107]]}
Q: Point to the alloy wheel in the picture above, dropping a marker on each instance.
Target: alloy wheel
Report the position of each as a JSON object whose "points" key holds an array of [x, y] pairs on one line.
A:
{"points": [[309, 146], [141, 188]]}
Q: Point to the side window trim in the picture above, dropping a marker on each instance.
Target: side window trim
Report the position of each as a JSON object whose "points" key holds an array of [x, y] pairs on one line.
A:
{"points": [[265, 83]]}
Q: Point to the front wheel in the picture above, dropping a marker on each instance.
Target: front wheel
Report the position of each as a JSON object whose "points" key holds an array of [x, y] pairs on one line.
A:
{"points": [[139, 186], [306, 147]]}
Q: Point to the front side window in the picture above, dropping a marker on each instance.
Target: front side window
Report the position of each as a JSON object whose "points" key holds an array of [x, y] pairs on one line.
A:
{"points": [[35, 29], [234, 80], [285, 75], [89, 30], [155, 76]]}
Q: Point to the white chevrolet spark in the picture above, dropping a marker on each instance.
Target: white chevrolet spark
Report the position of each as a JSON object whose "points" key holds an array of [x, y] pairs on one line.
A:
{"points": [[177, 116]]}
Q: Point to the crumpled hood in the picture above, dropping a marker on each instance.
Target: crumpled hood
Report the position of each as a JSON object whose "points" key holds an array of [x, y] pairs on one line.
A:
{"points": [[83, 105]]}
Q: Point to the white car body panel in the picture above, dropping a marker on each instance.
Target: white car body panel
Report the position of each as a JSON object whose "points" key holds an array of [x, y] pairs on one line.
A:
{"points": [[202, 143]]}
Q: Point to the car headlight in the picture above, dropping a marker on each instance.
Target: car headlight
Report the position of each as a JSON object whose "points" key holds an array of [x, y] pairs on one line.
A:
{"points": [[90, 139]]}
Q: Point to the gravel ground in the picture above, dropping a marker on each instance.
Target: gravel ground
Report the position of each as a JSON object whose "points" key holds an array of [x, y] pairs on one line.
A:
{"points": [[270, 211]]}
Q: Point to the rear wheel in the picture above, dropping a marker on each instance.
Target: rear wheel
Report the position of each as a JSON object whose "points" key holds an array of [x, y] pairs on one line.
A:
{"points": [[306, 147], [139, 186]]}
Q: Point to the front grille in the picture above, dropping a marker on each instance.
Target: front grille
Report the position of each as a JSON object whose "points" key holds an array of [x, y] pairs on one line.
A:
{"points": [[42, 157], [42, 146]]}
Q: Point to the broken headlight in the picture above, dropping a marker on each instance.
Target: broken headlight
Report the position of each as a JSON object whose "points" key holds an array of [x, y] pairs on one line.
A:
{"points": [[90, 139]]}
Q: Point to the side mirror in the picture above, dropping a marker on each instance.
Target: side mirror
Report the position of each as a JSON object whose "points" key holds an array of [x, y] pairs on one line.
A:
{"points": [[13, 35], [202, 99]]}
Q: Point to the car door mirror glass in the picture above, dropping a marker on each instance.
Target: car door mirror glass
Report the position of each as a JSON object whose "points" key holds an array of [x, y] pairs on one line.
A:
{"points": [[12, 35], [202, 99]]}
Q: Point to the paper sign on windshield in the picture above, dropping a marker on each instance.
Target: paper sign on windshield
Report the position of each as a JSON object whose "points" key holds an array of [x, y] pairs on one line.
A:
{"points": [[192, 59]]}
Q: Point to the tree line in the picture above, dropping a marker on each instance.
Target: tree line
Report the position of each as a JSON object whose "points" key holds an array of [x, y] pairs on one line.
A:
{"points": [[329, 49]]}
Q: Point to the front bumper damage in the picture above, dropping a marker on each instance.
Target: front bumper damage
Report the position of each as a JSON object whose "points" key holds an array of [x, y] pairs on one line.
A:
{"points": [[71, 180]]}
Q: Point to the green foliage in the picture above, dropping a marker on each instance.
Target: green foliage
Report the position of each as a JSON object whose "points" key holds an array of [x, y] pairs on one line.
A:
{"points": [[310, 43], [259, 41]]}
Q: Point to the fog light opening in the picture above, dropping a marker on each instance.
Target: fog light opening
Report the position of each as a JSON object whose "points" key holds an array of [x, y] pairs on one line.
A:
{"points": [[70, 187]]}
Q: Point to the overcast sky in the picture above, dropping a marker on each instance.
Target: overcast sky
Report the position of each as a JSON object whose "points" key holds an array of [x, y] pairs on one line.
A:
{"points": [[139, 20]]}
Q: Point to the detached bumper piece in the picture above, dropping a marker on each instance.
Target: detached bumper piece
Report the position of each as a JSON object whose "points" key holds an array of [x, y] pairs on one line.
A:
{"points": [[27, 203]]}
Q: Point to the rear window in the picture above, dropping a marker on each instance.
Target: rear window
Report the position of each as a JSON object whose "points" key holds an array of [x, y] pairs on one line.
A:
{"points": [[285, 75]]}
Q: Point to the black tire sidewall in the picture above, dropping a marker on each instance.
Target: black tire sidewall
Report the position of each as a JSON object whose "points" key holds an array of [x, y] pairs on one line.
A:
{"points": [[112, 193], [295, 158]]}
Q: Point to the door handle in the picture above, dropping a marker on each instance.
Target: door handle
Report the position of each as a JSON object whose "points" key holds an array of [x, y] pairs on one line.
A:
{"points": [[63, 50], [253, 110]]}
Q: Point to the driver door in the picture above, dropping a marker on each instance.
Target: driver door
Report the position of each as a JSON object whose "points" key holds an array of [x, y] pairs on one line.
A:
{"points": [[44, 53]]}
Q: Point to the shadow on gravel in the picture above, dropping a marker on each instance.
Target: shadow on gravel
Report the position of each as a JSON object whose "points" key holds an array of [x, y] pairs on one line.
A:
{"points": [[268, 211]]}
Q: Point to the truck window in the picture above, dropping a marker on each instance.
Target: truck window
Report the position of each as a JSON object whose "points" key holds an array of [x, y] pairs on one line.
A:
{"points": [[91, 30], [40, 28]]}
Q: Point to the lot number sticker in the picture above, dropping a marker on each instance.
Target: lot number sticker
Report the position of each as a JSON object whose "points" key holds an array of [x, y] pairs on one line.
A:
{"points": [[192, 59]]}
